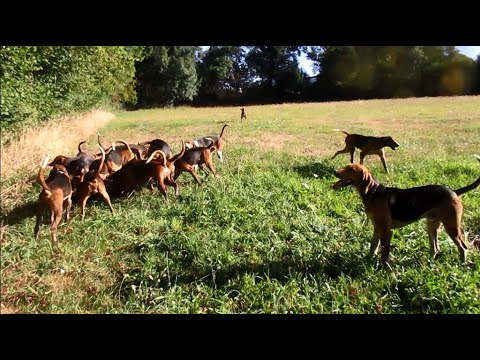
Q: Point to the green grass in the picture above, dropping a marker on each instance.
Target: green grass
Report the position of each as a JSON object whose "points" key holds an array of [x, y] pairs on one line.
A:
{"points": [[268, 236]]}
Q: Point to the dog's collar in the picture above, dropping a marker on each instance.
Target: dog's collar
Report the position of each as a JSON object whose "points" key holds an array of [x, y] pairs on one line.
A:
{"points": [[370, 193]]}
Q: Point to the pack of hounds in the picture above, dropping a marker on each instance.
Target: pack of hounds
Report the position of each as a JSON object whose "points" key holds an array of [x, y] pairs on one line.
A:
{"points": [[117, 171]]}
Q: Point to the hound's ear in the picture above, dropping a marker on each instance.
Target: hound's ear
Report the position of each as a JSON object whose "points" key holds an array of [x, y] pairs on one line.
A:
{"points": [[59, 160]]}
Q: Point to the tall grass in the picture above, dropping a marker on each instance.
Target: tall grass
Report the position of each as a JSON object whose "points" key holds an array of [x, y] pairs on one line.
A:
{"points": [[268, 236]]}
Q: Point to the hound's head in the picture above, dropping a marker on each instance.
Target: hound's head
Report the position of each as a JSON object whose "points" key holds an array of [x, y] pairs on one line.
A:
{"points": [[353, 174]]}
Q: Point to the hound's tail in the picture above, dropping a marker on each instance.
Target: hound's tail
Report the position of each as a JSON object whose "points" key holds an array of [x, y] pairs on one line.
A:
{"points": [[342, 131], [124, 143], [210, 146], [223, 129], [80, 146], [97, 172], [178, 156], [41, 177], [164, 157], [470, 187]]}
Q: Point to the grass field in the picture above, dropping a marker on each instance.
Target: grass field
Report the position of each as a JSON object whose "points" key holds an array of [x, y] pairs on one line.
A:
{"points": [[269, 235]]}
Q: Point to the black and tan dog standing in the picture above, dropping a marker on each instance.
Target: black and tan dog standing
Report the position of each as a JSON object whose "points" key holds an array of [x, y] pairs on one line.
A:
{"points": [[389, 208]]}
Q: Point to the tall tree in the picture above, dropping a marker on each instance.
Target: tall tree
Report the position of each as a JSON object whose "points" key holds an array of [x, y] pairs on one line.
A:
{"points": [[167, 76], [277, 71], [223, 74], [477, 82]]}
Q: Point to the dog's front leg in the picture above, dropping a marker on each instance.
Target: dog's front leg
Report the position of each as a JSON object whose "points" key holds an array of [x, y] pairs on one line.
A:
{"points": [[374, 244], [381, 153], [385, 241]]}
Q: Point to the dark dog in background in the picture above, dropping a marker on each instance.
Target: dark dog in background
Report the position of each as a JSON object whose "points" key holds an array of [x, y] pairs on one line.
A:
{"points": [[369, 145], [158, 144], [243, 115], [77, 166]]}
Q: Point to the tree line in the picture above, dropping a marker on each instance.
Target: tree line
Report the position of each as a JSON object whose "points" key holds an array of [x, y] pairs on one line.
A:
{"points": [[39, 82]]}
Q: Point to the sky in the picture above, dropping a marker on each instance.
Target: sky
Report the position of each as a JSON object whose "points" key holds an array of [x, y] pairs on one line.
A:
{"points": [[306, 65], [470, 51]]}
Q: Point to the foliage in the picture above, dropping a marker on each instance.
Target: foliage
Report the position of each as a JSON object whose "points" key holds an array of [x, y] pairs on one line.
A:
{"points": [[352, 72], [167, 76], [223, 73], [41, 82]]}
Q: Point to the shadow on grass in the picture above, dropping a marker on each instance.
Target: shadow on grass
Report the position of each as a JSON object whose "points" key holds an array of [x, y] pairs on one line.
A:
{"points": [[283, 270], [20, 213], [319, 170]]}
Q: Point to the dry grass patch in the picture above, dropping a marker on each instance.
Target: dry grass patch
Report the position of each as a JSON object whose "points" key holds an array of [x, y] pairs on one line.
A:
{"points": [[57, 137]]}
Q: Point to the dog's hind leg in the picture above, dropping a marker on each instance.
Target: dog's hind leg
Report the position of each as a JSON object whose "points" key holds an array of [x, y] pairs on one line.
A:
{"points": [[204, 169], [104, 194], [57, 217], [452, 218], [40, 211], [68, 202], [194, 174], [456, 235], [171, 182], [209, 163], [163, 189], [220, 155], [432, 226], [344, 151]]}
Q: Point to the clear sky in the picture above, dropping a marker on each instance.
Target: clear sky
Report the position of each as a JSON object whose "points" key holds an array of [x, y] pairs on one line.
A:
{"points": [[470, 51]]}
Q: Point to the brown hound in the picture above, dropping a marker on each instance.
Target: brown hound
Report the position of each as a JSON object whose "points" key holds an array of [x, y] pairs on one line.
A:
{"points": [[389, 208], [163, 173], [218, 142], [93, 184], [57, 192], [197, 156]]}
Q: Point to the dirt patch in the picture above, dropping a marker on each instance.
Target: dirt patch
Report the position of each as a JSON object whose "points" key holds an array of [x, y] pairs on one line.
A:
{"points": [[265, 141]]}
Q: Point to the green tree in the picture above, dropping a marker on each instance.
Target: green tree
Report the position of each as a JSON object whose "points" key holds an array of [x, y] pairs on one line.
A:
{"points": [[277, 72], [477, 82], [167, 76], [223, 74]]}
